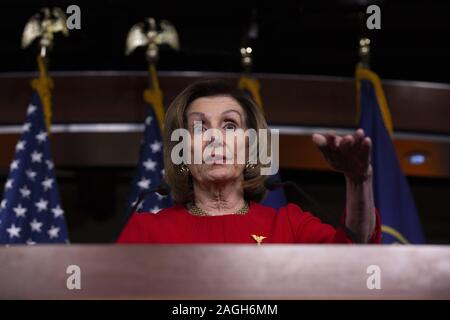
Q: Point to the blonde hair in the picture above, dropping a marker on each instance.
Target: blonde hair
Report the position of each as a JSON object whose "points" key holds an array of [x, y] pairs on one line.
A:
{"points": [[181, 183]]}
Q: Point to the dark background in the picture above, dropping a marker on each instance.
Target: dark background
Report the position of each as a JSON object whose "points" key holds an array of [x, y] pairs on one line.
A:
{"points": [[297, 37]]}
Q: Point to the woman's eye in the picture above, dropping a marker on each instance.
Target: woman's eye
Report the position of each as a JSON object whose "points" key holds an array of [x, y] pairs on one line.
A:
{"points": [[230, 126]]}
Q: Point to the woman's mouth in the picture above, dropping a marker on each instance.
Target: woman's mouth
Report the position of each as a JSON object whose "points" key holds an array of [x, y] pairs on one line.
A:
{"points": [[217, 159]]}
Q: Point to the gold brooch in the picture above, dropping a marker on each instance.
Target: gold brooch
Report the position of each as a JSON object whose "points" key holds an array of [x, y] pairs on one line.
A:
{"points": [[258, 239]]}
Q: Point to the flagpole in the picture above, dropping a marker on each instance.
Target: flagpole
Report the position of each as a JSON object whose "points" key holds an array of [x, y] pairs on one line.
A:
{"points": [[44, 85], [246, 81], [153, 94], [150, 165], [48, 22], [401, 223], [364, 52], [275, 198], [363, 72], [147, 34], [31, 207]]}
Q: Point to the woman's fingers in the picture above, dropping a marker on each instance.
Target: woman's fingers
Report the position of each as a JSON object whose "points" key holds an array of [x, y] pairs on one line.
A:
{"points": [[332, 142], [347, 143], [349, 154], [359, 133], [323, 143], [367, 148], [337, 142], [319, 140], [368, 142]]}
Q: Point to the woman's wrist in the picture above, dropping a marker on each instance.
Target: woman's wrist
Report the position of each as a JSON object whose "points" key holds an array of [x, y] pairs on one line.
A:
{"points": [[355, 179], [360, 205]]}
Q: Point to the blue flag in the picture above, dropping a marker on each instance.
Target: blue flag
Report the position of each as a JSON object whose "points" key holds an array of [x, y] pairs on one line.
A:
{"points": [[150, 168], [275, 198], [30, 211], [393, 197]]}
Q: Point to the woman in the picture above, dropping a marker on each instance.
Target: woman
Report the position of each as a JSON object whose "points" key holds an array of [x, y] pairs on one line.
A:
{"points": [[217, 202]]}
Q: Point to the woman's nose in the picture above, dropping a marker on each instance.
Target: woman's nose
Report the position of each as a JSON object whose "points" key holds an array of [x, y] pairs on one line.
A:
{"points": [[216, 142]]}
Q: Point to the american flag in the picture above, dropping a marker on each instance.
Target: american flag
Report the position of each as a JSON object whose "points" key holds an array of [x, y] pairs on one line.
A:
{"points": [[150, 169], [30, 211]]}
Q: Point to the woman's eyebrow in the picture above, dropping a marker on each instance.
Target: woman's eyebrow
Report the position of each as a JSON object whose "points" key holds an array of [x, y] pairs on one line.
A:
{"points": [[198, 116], [196, 113], [235, 111]]}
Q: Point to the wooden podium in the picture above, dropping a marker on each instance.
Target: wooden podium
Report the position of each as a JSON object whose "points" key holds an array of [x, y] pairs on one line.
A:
{"points": [[225, 272]]}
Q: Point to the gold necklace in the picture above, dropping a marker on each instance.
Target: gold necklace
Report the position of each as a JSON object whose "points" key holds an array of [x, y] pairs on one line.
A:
{"points": [[195, 210]]}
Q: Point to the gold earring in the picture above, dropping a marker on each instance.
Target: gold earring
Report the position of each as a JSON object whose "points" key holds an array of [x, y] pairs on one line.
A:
{"points": [[249, 166], [184, 169]]}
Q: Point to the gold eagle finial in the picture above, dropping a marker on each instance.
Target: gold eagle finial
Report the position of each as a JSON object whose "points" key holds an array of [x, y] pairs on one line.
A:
{"points": [[44, 25], [147, 34]]}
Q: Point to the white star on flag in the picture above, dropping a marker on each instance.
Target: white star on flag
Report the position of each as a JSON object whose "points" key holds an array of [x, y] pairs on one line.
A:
{"points": [[20, 145], [26, 127], [31, 109], [41, 136], [20, 211], [50, 164], [31, 174], [47, 184], [139, 206], [53, 232], [36, 225], [13, 231], [57, 212], [9, 184], [156, 146], [148, 120], [150, 164], [36, 156], [14, 165], [144, 183], [41, 205], [25, 192], [160, 196], [155, 209], [3, 204]]}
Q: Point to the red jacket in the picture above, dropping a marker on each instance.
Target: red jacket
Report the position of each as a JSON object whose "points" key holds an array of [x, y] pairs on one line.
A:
{"points": [[289, 225]]}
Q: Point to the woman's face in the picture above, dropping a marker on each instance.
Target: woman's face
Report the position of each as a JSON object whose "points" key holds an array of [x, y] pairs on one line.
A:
{"points": [[222, 113]]}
